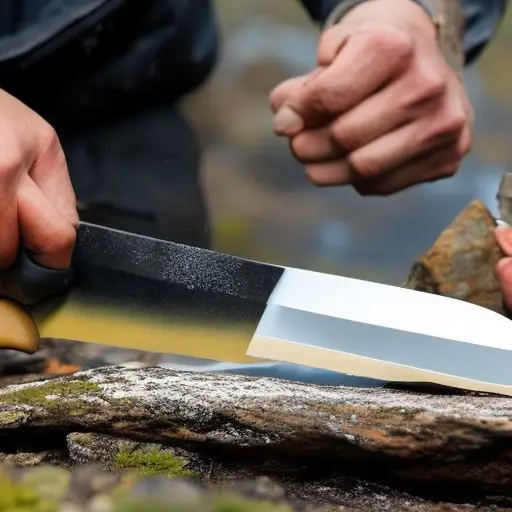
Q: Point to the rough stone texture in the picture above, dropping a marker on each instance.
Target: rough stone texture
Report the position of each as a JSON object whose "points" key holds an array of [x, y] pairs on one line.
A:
{"points": [[126, 431], [319, 443], [460, 264], [356, 495]]}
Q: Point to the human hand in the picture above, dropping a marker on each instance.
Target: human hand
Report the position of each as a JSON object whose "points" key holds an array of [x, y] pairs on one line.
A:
{"points": [[504, 266], [37, 198], [383, 110]]}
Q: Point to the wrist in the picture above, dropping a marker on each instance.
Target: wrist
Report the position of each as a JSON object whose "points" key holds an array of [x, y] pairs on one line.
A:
{"points": [[345, 6], [441, 20]]}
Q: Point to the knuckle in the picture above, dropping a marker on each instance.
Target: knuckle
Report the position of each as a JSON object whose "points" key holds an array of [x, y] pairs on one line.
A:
{"points": [[465, 146], [363, 167], [427, 83], [59, 241], [10, 164], [300, 148], [344, 137], [450, 168], [446, 125], [392, 43], [433, 85], [48, 144], [450, 125], [48, 136], [323, 97], [315, 177], [454, 122]]}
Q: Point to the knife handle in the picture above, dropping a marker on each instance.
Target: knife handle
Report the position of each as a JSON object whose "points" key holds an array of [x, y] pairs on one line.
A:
{"points": [[27, 282]]}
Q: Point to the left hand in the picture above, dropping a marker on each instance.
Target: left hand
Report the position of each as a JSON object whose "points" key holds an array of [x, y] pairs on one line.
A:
{"points": [[383, 110]]}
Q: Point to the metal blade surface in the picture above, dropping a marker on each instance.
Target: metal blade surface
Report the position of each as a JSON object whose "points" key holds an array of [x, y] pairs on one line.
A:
{"points": [[138, 292], [384, 332]]}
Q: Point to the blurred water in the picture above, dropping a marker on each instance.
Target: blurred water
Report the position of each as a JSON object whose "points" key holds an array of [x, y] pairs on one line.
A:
{"points": [[251, 175]]}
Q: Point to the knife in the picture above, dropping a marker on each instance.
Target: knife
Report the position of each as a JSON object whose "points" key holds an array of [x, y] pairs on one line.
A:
{"points": [[133, 291]]}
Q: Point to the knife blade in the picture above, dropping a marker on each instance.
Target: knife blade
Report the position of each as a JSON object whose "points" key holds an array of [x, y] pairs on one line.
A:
{"points": [[133, 291]]}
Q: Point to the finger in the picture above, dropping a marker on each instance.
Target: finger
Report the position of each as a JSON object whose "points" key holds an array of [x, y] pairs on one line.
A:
{"points": [[357, 72], [503, 272], [10, 166], [315, 145], [504, 239], [330, 44], [376, 116], [401, 146], [50, 173], [433, 166], [329, 174], [44, 230], [9, 234], [285, 118], [284, 90]]}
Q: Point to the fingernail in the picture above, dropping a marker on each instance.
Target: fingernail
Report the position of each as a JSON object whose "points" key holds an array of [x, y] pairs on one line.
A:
{"points": [[286, 119]]}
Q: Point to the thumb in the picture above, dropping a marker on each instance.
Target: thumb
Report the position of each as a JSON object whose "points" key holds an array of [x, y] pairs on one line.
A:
{"points": [[288, 120], [504, 238], [285, 118], [504, 275], [285, 103], [284, 90], [43, 228]]}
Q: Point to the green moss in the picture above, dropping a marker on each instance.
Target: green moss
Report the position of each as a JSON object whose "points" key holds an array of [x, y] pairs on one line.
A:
{"points": [[16, 497], [37, 395], [50, 482], [222, 503], [11, 417], [83, 439], [228, 503], [151, 462]]}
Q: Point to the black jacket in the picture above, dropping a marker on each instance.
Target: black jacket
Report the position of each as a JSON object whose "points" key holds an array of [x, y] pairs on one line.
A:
{"points": [[74, 60]]}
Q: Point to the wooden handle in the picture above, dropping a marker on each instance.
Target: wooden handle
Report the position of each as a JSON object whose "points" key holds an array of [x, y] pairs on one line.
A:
{"points": [[18, 331]]}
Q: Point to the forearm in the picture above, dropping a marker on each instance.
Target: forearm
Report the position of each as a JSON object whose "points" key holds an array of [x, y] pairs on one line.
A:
{"points": [[481, 19]]}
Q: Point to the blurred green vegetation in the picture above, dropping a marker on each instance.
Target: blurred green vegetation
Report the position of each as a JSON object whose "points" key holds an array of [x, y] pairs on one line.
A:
{"points": [[495, 65], [232, 234]]}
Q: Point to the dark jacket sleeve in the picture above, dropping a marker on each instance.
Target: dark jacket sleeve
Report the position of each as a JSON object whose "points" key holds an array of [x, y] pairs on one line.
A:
{"points": [[482, 20]]}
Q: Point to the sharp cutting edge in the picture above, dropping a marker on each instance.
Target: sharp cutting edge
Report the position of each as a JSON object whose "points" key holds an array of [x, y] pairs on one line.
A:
{"points": [[138, 292]]}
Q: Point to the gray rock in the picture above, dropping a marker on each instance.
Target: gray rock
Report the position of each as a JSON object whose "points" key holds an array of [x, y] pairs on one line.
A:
{"points": [[319, 445]]}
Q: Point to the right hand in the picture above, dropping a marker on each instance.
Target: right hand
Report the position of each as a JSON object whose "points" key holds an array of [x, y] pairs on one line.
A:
{"points": [[383, 110], [38, 202]]}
